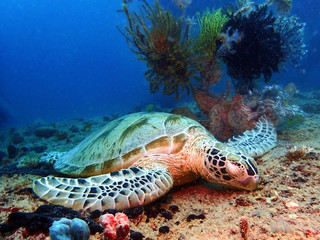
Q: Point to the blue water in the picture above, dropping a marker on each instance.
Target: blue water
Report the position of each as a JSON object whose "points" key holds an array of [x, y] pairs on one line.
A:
{"points": [[63, 59]]}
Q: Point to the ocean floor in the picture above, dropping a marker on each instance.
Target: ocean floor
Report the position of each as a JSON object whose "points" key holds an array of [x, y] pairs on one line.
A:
{"points": [[285, 206]]}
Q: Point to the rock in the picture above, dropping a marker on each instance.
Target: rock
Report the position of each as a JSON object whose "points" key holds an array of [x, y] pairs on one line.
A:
{"points": [[194, 216], [29, 160], [39, 149], [12, 151], [61, 136], [244, 228], [164, 229], [166, 214], [291, 205], [42, 219], [313, 106], [2, 155], [74, 129], [95, 214], [174, 208], [184, 111], [16, 138], [134, 212], [136, 235], [45, 132]]}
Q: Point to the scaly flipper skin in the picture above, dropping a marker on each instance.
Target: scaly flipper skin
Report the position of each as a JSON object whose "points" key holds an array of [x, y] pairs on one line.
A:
{"points": [[122, 189], [256, 142]]}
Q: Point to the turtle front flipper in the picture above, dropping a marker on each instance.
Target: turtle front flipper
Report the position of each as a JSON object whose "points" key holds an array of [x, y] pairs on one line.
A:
{"points": [[256, 142], [122, 189]]}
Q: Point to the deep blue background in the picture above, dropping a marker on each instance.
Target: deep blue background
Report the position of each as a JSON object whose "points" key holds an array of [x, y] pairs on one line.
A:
{"points": [[62, 59]]}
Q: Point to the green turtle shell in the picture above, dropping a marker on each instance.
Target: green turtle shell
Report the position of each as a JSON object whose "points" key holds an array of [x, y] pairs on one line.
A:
{"points": [[123, 141]]}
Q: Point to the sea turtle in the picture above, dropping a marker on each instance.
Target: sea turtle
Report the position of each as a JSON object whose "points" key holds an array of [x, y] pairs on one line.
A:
{"points": [[138, 158]]}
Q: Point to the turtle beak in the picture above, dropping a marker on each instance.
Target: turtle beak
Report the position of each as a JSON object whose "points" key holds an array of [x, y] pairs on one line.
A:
{"points": [[250, 183]]}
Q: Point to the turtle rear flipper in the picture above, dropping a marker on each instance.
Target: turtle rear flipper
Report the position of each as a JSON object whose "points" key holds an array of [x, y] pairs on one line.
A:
{"points": [[122, 189], [256, 142]]}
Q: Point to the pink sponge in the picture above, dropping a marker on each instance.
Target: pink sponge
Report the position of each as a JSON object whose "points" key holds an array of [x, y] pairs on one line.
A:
{"points": [[116, 227]]}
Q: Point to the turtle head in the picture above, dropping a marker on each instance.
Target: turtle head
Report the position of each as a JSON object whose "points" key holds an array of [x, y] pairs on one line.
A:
{"points": [[231, 169]]}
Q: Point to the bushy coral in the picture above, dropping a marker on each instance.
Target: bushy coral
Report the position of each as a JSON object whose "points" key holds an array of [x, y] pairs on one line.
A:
{"points": [[256, 43], [251, 48], [161, 40], [211, 24], [291, 33]]}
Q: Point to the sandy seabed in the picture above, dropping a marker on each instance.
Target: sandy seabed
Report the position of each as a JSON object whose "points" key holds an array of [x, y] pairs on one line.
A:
{"points": [[286, 205]]}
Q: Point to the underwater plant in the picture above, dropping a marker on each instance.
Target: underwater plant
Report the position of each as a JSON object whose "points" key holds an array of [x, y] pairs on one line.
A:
{"points": [[161, 41], [255, 43]]}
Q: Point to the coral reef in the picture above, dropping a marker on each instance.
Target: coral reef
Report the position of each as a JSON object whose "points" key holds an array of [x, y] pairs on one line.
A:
{"points": [[275, 103], [116, 227], [161, 41], [227, 118], [248, 38], [233, 117]]}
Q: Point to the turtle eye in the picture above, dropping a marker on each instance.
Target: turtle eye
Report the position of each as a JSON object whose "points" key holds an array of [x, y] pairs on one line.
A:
{"points": [[250, 166], [252, 170]]}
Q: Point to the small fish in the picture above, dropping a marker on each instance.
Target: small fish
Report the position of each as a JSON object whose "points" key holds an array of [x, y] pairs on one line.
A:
{"points": [[183, 3]]}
